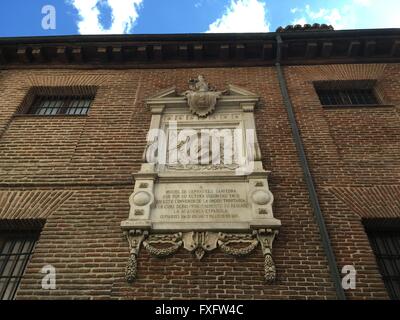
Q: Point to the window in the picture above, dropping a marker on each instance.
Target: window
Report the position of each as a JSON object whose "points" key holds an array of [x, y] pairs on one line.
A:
{"points": [[385, 242], [346, 93], [15, 251], [57, 100], [347, 97], [57, 105]]}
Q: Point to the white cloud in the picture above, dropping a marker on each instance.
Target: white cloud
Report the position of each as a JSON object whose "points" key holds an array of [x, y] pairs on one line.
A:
{"points": [[335, 18], [242, 16], [363, 2], [323, 15], [355, 14], [124, 13], [315, 14], [301, 21]]}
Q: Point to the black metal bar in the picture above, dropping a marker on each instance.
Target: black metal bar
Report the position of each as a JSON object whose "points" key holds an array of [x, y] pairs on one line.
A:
{"points": [[12, 254], [70, 105], [11, 248], [21, 255], [15, 263], [387, 256], [23, 266], [347, 97], [337, 281], [3, 291]]}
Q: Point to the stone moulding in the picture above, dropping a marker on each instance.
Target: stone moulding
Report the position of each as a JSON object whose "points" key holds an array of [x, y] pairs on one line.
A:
{"points": [[200, 242], [206, 205]]}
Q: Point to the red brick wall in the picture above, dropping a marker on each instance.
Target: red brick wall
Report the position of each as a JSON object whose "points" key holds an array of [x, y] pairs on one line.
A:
{"points": [[83, 166], [353, 153]]}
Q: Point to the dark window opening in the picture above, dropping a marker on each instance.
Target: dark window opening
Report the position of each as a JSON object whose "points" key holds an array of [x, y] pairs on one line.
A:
{"points": [[15, 251], [347, 93], [385, 242], [347, 97], [60, 105]]}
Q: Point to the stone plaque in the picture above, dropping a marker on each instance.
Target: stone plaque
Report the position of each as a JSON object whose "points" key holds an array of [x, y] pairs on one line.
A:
{"points": [[201, 204], [202, 184]]}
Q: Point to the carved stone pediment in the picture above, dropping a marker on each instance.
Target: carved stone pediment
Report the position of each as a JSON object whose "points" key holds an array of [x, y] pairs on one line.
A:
{"points": [[202, 185], [201, 102]]}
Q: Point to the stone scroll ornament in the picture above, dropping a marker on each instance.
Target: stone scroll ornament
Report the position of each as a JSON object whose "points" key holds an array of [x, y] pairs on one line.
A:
{"points": [[199, 242]]}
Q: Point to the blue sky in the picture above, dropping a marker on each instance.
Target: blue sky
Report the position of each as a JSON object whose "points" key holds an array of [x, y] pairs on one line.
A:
{"points": [[24, 17]]}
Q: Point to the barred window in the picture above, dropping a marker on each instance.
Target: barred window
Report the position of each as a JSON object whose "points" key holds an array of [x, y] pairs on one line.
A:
{"points": [[60, 105], [347, 92], [15, 251], [386, 245], [347, 97]]}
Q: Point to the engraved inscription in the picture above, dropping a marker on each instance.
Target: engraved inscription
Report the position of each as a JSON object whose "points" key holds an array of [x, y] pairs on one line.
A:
{"points": [[204, 202]]}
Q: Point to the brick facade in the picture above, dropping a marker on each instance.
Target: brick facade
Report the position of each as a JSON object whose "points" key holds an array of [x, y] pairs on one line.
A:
{"points": [[76, 174]]}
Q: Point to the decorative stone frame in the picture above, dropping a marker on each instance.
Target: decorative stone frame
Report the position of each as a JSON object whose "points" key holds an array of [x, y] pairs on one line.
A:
{"points": [[245, 227]]}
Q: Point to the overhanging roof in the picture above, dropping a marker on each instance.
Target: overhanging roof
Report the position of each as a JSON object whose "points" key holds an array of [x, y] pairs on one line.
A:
{"points": [[201, 50]]}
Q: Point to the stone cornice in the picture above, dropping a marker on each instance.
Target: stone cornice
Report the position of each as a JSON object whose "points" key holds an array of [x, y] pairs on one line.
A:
{"points": [[205, 50]]}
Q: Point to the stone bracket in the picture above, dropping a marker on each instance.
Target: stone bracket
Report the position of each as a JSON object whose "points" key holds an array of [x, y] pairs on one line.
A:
{"points": [[266, 238], [135, 239]]}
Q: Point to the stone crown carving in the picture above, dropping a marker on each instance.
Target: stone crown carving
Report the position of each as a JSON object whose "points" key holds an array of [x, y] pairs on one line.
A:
{"points": [[201, 98]]}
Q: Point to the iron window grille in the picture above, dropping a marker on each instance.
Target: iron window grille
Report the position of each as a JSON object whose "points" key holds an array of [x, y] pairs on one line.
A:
{"points": [[15, 251], [347, 97], [386, 246], [60, 105]]}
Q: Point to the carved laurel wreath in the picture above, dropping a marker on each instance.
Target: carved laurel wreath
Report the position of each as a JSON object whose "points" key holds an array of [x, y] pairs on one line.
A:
{"points": [[174, 240], [238, 252]]}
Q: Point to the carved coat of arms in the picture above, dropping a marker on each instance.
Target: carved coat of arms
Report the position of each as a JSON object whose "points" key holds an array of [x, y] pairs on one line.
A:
{"points": [[201, 99]]}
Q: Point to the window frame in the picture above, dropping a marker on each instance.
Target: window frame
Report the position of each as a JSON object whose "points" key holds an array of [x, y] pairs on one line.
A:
{"points": [[23, 257], [347, 90], [380, 229], [67, 102], [80, 92], [346, 96]]}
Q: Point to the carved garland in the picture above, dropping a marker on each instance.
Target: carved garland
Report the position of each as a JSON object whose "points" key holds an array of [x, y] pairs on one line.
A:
{"points": [[238, 252], [200, 242], [174, 240]]}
